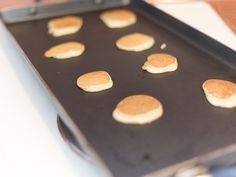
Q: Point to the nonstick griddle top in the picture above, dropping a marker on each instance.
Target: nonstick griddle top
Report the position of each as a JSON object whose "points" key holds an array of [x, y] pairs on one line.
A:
{"points": [[189, 127]]}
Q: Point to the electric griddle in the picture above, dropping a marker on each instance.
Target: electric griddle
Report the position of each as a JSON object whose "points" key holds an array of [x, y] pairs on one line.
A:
{"points": [[191, 130]]}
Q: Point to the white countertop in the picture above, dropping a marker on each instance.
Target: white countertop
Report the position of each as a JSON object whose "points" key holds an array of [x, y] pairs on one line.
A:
{"points": [[31, 145]]}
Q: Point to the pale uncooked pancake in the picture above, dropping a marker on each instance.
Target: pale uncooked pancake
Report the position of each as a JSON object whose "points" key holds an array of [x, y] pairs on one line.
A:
{"points": [[64, 25], [160, 63], [95, 81], [65, 50], [135, 42], [138, 109], [118, 18], [220, 93]]}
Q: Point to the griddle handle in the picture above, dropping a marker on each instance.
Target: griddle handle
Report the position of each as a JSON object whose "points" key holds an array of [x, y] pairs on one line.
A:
{"points": [[70, 140]]}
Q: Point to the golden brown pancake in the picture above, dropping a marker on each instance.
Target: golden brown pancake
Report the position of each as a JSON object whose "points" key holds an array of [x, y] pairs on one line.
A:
{"points": [[65, 50], [220, 93], [135, 42], [118, 18], [138, 109], [95, 81], [64, 25], [160, 63]]}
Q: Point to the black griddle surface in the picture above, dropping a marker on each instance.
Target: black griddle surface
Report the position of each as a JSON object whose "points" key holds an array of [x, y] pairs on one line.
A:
{"points": [[189, 127]]}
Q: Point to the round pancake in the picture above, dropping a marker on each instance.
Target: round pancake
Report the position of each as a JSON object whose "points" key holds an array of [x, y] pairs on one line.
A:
{"points": [[118, 18], [160, 63], [95, 81], [64, 25], [220, 93], [135, 42], [138, 109], [65, 50]]}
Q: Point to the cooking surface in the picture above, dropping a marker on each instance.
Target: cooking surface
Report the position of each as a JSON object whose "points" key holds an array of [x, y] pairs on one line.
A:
{"points": [[190, 125]]}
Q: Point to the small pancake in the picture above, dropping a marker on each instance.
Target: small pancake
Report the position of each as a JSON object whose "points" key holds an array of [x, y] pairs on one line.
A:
{"points": [[220, 93], [163, 46], [160, 63], [95, 81], [64, 25], [65, 50], [118, 18], [138, 109], [135, 42]]}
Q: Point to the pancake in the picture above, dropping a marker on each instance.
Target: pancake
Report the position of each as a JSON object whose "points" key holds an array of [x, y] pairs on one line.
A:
{"points": [[135, 42], [65, 50], [160, 63], [118, 18], [220, 93], [95, 81], [138, 109], [64, 25]]}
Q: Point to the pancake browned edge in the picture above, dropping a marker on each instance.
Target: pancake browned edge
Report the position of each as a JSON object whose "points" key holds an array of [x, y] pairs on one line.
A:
{"points": [[65, 50], [138, 109], [220, 93], [95, 81], [64, 25], [160, 63], [119, 18], [135, 42]]}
